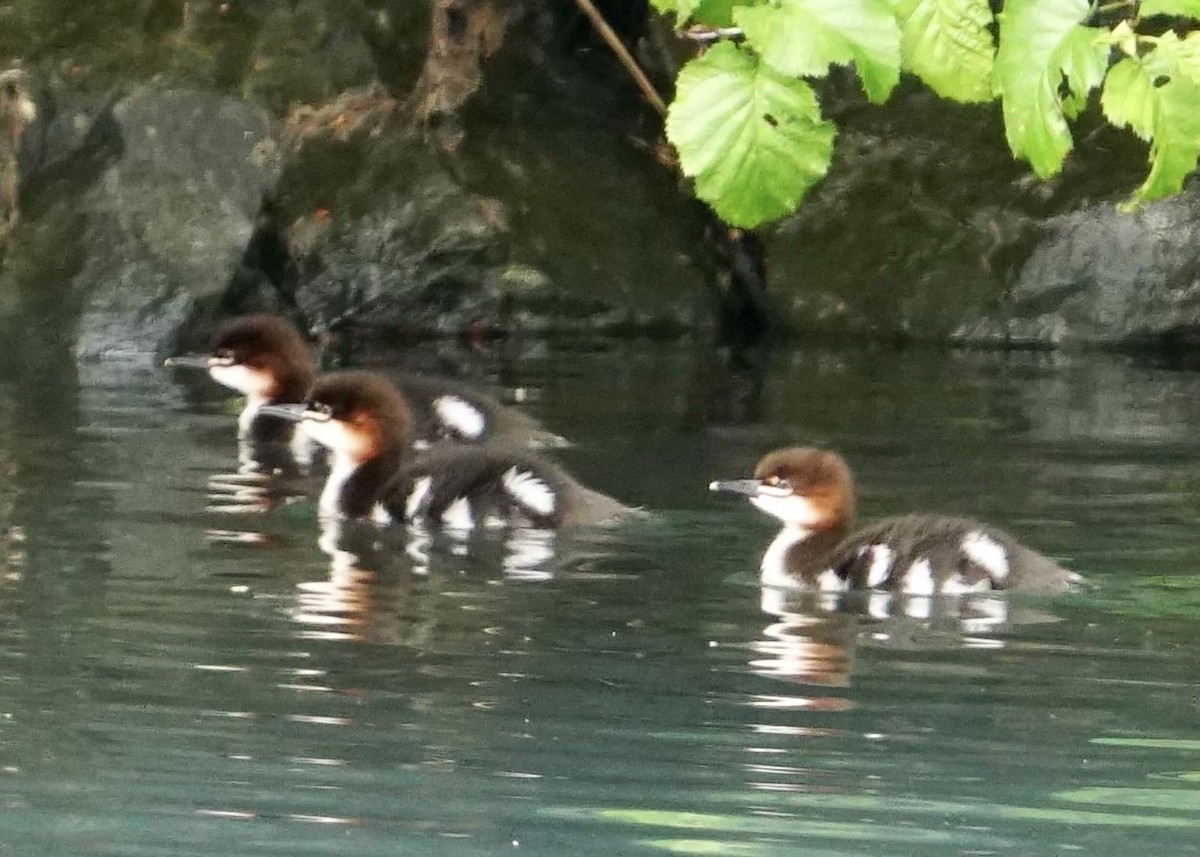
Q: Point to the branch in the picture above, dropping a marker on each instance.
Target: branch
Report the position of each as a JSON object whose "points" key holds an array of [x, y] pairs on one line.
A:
{"points": [[623, 54], [703, 33]]}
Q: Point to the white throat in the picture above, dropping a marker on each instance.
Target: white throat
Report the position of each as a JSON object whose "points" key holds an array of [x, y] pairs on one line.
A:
{"points": [[343, 467], [249, 412], [774, 562], [794, 510]]}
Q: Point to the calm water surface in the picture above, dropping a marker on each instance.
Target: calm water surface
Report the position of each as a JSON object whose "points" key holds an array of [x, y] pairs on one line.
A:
{"points": [[184, 671]]}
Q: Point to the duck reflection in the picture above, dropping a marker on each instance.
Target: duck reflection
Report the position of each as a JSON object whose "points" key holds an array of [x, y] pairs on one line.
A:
{"points": [[368, 594], [268, 477], [807, 642], [812, 635]]}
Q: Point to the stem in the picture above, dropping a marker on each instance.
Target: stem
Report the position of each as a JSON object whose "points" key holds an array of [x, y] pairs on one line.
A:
{"points": [[626, 58]]}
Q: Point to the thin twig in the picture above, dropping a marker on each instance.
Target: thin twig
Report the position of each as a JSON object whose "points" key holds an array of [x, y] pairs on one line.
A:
{"points": [[704, 33], [623, 54]]}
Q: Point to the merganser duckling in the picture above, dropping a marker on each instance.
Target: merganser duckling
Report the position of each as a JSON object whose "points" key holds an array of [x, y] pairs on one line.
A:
{"points": [[811, 491], [363, 420], [265, 358]]}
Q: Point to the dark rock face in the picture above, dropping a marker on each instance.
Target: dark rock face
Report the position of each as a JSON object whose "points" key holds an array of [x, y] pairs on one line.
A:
{"points": [[1102, 277], [168, 221], [926, 229], [147, 216], [139, 211]]}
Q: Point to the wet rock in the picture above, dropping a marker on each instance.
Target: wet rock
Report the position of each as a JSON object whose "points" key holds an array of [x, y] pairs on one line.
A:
{"points": [[1099, 276], [521, 231], [165, 224], [927, 229]]}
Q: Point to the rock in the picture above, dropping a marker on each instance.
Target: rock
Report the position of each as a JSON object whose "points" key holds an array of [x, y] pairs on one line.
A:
{"points": [[521, 232], [1100, 276], [167, 222]]}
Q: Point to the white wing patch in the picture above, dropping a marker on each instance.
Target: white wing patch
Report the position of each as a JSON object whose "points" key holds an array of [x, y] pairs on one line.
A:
{"points": [[830, 582], [881, 565], [381, 515], [458, 515], [416, 500], [530, 491], [457, 413], [986, 552], [919, 580], [958, 585]]}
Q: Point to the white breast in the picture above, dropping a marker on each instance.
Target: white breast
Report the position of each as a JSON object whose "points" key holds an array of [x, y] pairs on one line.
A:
{"points": [[774, 562], [343, 468]]}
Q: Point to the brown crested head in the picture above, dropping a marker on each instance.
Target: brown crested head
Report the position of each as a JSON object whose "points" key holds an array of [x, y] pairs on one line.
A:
{"points": [[819, 475], [271, 346], [370, 414]]}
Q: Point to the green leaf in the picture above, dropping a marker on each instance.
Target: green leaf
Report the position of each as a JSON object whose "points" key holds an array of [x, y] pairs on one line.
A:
{"points": [[1176, 144], [804, 37], [1033, 34], [1083, 58], [752, 138], [948, 44], [1184, 8], [1179, 56], [1127, 100], [1159, 100], [682, 9], [719, 13]]}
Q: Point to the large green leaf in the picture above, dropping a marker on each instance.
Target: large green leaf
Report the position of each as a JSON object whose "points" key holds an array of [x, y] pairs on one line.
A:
{"points": [[1128, 99], [1158, 98], [682, 9], [1028, 75], [1176, 144], [948, 44], [1184, 8], [715, 13], [1083, 58], [1175, 56], [804, 37], [719, 13], [752, 138]]}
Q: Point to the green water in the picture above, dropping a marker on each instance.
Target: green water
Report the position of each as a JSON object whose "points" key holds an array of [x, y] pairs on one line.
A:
{"points": [[183, 675]]}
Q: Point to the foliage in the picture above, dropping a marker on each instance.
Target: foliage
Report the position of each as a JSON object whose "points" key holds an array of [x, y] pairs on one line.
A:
{"points": [[747, 125]]}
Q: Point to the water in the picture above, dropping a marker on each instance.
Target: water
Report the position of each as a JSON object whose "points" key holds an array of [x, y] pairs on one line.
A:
{"points": [[182, 674]]}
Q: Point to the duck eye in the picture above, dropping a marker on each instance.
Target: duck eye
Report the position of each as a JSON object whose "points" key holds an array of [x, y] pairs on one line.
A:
{"points": [[223, 354]]}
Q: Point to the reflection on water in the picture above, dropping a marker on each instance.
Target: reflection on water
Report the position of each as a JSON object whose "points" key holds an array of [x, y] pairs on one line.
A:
{"points": [[190, 666]]}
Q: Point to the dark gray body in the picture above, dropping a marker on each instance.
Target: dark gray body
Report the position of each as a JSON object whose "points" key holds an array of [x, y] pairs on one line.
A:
{"points": [[477, 473], [933, 538]]}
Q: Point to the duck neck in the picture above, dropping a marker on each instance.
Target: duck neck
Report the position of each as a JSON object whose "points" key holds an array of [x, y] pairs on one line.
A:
{"points": [[799, 555], [354, 486]]}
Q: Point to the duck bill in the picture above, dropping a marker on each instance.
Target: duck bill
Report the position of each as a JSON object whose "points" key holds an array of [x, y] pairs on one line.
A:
{"points": [[549, 440], [187, 361], [291, 413], [746, 487]]}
